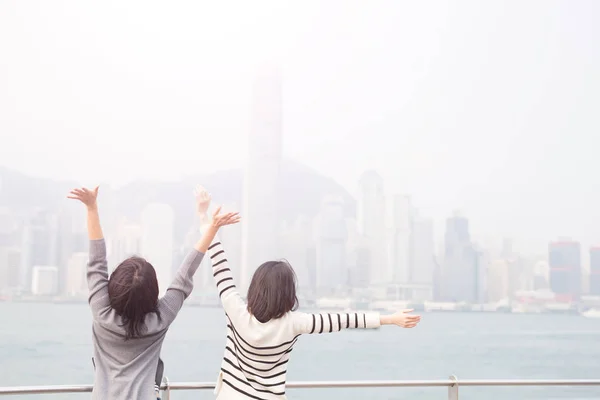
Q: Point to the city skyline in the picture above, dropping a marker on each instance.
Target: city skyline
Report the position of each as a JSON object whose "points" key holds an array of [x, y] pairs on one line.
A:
{"points": [[331, 237], [495, 242], [462, 108]]}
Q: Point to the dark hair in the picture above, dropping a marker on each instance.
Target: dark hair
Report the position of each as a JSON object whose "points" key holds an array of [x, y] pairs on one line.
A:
{"points": [[272, 292], [133, 293]]}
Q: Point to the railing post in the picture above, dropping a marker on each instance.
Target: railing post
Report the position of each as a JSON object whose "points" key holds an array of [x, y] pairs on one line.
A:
{"points": [[453, 390], [167, 391]]}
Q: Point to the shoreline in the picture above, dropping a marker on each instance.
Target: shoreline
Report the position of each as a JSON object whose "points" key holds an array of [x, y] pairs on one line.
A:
{"points": [[204, 304]]}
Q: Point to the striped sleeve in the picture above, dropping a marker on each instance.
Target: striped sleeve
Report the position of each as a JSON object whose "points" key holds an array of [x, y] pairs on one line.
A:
{"points": [[328, 322], [228, 293]]}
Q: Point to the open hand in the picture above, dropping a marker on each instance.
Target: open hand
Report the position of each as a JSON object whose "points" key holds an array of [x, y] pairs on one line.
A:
{"points": [[219, 220], [404, 319], [203, 199], [86, 196]]}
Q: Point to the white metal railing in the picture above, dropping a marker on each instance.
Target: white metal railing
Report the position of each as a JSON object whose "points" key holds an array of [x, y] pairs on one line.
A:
{"points": [[452, 383]]}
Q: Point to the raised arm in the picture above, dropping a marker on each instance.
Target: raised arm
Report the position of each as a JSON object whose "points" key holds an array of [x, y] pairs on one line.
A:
{"points": [[181, 287], [183, 284], [230, 297], [97, 270], [326, 322], [233, 304]]}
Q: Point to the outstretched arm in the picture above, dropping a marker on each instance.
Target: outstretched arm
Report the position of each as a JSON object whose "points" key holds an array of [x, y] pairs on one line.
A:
{"points": [[97, 270], [183, 284], [327, 323]]}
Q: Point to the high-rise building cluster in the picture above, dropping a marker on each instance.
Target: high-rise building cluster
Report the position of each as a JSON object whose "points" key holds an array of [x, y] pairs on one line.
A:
{"points": [[387, 246], [35, 248], [387, 250], [44, 253]]}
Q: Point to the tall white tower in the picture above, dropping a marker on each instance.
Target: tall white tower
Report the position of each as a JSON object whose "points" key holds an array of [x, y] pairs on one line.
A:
{"points": [[157, 241], [260, 236]]}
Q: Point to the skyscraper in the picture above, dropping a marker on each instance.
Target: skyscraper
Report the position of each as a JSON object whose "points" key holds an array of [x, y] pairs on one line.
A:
{"points": [[481, 261], [260, 237], [44, 280], [10, 267], [595, 271], [297, 246], [541, 272], [157, 241], [400, 240], [71, 237], [8, 227], [39, 246], [564, 258], [358, 256], [498, 284], [126, 243], [332, 236], [461, 263], [76, 274], [423, 248], [371, 224]]}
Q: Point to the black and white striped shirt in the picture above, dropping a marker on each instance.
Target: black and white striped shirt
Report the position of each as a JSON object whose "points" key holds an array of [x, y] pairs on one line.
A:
{"points": [[256, 353]]}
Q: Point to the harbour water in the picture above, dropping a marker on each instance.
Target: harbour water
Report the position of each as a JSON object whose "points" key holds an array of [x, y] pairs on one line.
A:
{"points": [[51, 344]]}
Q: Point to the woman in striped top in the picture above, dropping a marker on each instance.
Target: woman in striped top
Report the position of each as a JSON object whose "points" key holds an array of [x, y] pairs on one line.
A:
{"points": [[261, 334]]}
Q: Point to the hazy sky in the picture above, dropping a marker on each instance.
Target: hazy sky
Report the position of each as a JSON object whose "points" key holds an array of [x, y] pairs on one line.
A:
{"points": [[490, 107]]}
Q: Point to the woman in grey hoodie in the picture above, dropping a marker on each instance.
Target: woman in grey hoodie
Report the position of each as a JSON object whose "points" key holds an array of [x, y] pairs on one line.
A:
{"points": [[129, 320]]}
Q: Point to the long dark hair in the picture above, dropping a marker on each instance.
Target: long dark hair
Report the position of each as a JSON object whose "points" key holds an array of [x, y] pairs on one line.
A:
{"points": [[133, 293], [272, 292]]}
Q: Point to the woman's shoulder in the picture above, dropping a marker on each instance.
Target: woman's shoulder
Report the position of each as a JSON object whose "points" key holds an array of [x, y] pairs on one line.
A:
{"points": [[271, 327]]}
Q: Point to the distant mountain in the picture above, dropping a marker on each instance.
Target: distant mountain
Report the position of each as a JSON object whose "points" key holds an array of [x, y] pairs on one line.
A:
{"points": [[21, 192], [301, 193]]}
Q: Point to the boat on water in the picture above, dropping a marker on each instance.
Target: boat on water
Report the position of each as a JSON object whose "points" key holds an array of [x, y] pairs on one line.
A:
{"points": [[591, 313]]}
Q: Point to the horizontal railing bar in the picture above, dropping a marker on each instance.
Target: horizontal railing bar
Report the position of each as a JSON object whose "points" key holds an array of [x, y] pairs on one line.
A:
{"points": [[46, 389], [355, 384], [325, 384], [530, 382]]}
